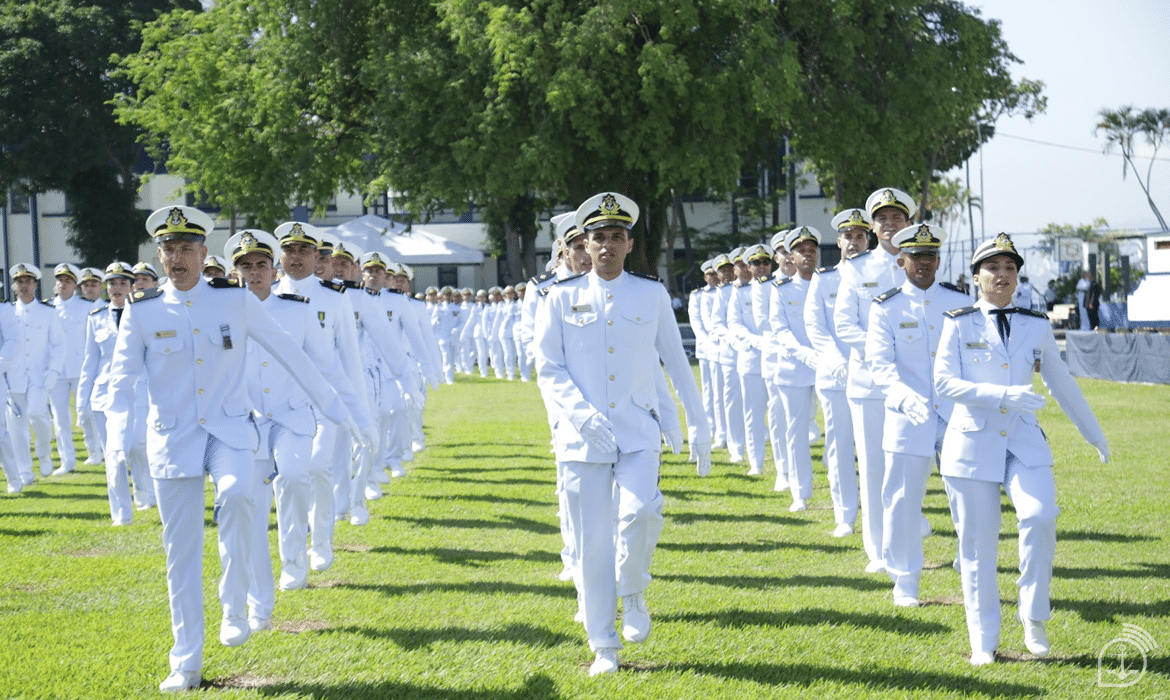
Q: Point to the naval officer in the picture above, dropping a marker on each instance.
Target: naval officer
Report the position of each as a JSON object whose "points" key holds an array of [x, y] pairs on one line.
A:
{"points": [[188, 337], [73, 310], [599, 340], [987, 358]]}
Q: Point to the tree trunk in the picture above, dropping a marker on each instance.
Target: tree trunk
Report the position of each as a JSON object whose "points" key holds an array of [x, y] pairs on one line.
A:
{"points": [[512, 254]]}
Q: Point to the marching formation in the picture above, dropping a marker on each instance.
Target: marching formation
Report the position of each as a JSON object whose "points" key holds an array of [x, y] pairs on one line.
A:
{"points": [[293, 371]]}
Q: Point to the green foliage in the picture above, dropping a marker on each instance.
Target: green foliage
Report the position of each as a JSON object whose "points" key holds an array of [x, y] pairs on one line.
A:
{"points": [[1122, 129]]}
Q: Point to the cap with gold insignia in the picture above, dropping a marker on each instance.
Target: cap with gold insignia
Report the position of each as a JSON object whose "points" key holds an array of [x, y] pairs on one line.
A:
{"points": [[91, 273], [144, 268], [404, 269], [801, 234], [777, 241], [341, 249], [118, 270], [721, 260], [1000, 245], [24, 270], [179, 224], [521, 287], [566, 226], [759, 251], [551, 264], [890, 197], [326, 242], [509, 288], [375, 259], [251, 240], [852, 218], [707, 266], [393, 268], [606, 210], [919, 238], [436, 290], [297, 232], [215, 262], [736, 254], [67, 269], [481, 293]]}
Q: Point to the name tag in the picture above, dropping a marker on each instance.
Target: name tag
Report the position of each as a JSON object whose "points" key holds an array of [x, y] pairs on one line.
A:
{"points": [[977, 346], [164, 334], [869, 284], [909, 324], [833, 295], [577, 308], [794, 303]]}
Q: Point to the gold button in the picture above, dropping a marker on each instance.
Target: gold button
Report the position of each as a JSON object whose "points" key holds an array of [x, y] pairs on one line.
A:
{"points": [[928, 302], [611, 350], [936, 407], [610, 323], [611, 405], [198, 362], [265, 390], [188, 303], [269, 415], [976, 360], [932, 354], [265, 364], [166, 350], [609, 296], [1003, 432], [1003, 410], [200, 391], [158, 425], [202, 421], [638, 318], [611, 377], [1005, 366], [196, 331], [931, 327]]}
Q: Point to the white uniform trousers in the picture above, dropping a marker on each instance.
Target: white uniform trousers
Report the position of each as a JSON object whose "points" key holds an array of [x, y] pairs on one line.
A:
{"points": [[8, 460], [508, 354], [777, 426], [868, 418], [712, 380], [496, 352], [976, 505], [118, 479], [839, 454], [481, 356], [568, 552], [181, 507], [525, 370], [94, 438], [903, 490], [733, 412], [293, 489], [321, 468], [25, 409], [755, 424], [589, 497], [447, 353], [60, 405], [261, 589], [797, 402]]}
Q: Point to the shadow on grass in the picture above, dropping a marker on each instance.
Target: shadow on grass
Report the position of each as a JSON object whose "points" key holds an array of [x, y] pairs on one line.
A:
{"points": [[412, 639], [687, 518], [539, 687], [702, 495], [5, 532], [867, 679], [470, 557], [1108, 610], [1159, 571], [1089, 536], [564, 590], [490, 498], [503, 482], [508, 523], [812, 617], [751, 546], [58, 494], [480, 470], [765, 582], [56, 515]]}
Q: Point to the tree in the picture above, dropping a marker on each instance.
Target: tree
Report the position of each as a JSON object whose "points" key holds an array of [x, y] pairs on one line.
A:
{"points": [[58, 132], [1122, 128]]}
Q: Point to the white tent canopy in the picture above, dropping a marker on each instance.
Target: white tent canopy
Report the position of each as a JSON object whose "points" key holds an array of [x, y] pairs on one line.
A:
{"points": [[415, 246]]}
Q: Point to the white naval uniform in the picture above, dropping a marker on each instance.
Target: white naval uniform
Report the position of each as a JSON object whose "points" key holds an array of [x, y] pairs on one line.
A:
{"points": [[598, 347], [446, 330], [747, 340], [728, 361], [714, 372], [795, 377], [509, 317], [73, 312], [703, 355], [988, 446], [191, 347], [905, 325], [770, 362], [43, 345], [10, 348], [863, 277], [832, 365], [429, 347]]}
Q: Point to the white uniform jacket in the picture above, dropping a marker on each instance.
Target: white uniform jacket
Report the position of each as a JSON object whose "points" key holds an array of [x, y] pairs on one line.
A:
{"points": [[762, 313], [192, 348], [374, 328], [10, 337], [74, 312], [905, 325], [92, 384], [426, 330], [716, 320], [407, 323], [532, 300], [863, 277], [598, 346], [694, 312], [741, 324], [42, 343], [798, 363], [818, 323], [974, 369]]}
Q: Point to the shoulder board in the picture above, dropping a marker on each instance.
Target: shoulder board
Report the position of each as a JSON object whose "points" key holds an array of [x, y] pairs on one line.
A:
{"points": [[652, 278], [955, 313], [350, 284], [374, 292], [223, 283], [545, 290], [98, 311], [47, 303], [763, 278], [951, 286], [87, 301], [542, 277], [330, 284], [145, 294], [888, 294], [822, 270], [1030, 312], [858, 255], [781, 281], [398, 291], [293, 297]]}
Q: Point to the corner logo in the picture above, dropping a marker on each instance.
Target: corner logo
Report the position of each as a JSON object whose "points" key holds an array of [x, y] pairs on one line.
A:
{"points": [[1117, 664]]}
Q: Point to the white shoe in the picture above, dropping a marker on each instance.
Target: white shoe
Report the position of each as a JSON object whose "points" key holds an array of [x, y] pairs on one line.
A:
{"points": [[16, 488], [28, 479], [736, 459], [46, 467], [1035, 638], [982, 658], [397, 470], [755, 471], [925, 527], [606, 662], [233, 631], [781, 484], [418, 445], [144, 506], [373, 492], [294, 575], [798, 505], [566, 574], [93, 460], [321, 561], [62, 471], [180, 681], [260, 624], [905, 601], [635, 618], [955, 565], [843, 530], [120, 522], [579, 616], [875, 567], [380, 476], [358, 515]]}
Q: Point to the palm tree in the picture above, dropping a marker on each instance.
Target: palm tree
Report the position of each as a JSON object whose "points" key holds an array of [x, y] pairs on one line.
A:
{"points": [[1122, 127]]}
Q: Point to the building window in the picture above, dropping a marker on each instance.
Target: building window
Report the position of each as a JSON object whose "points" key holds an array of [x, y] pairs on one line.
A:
{"points": [[17, 201], [448, 276]]}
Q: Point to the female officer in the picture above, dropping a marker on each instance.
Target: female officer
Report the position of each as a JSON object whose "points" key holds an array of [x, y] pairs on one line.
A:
{"points": [[986, 359]]}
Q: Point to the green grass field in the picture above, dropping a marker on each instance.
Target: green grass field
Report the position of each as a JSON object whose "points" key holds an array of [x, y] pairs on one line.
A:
{"points": [[450, 592]]}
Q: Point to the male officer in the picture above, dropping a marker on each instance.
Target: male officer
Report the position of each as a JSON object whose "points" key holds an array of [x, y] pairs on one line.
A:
{"points": [[73, 310], [10, 342], [728, 356], [773, 362], [145, 276], [863, 277], [703, 346], [749, 339], [35, 371], [91, 289], [189, 338], [853, 227], [90, 284], [905, 324], [594, 358], [214, 267]]}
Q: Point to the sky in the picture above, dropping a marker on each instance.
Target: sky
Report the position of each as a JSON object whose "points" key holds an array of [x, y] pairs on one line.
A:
{"points": [[1090, 55]]}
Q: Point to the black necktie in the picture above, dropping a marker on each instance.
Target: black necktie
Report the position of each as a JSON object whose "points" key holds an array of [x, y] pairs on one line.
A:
{"points": [[1002, 324], [118, 316]]}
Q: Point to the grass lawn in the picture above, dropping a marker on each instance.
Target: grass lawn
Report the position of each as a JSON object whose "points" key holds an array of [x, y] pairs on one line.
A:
{"points": [[450, 592]]}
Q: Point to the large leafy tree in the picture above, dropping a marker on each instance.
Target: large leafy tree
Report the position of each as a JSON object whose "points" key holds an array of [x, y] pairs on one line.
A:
{"points": [[58, 132]]}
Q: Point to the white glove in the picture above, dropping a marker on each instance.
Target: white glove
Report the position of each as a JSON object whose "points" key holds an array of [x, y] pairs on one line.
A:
{"points": [[673, 438], [354, 431], [1102, 450], [807, 357], [702, 452], [598, 431], [1022, 398], [115, 457], [915, 408], [841, 373], [51, 379]]}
